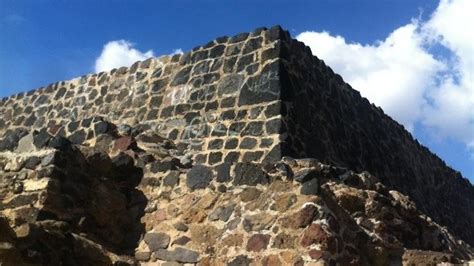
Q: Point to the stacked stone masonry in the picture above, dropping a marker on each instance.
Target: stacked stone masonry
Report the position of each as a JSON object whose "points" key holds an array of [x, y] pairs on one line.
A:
{"points": [[194, 97], [128, 196], [214, 124]]}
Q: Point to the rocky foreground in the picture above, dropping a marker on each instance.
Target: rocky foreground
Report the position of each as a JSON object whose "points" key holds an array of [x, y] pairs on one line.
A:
{"points": [[116, 195]]}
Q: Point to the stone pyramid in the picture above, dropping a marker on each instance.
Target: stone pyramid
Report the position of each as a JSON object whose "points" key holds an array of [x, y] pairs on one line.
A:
{"points": [[203, 157]]}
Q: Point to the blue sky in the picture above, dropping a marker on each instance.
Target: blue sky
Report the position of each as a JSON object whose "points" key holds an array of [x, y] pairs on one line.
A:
{"points": [[42, 41]]}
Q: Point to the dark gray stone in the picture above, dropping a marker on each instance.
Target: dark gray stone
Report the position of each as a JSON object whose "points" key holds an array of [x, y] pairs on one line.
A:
{"points": [[253, 129], [271, 53], [160, 84], [236, 128], [265, 143], [157, 73], [226, 212], [41, 100], [78, 137], [217, 51], [255, 112], [252, 156], [202, 68], [71, 127], [61, 92], [102, 127], [229, 64], [262, 88], [242, 114], [219, 130], [223, 172], [233, 49], [222, 188], [232, 157], [180, 226], [274, 126], [214, 157], [273, 109], [222, 39], [244, 61], [215, 144], [32, 162], [211, 106], [275, 154], [183, 240], [251, 174], [11, 138], [86, 122], [239, 37], [20, 200], [231, 143], [199, 55], [60, 143], [164, 165], [157, 241], [178, 254], [172, 179], [142, 255], [248, 143], [228, 102], [252, 45], [275, 33], [306, 175], [199, 177], [228, 115], [230, 84], [310, 187]]}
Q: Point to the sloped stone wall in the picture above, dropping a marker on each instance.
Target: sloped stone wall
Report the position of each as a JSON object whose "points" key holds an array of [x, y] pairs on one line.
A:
{"points": [[195, 98], [329, 120], [130, 197], [251, 97]]}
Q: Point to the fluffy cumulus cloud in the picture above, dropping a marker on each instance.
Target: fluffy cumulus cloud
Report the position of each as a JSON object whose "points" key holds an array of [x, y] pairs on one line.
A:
{"points": [[403, 75], [119, 53], [452, 110]]}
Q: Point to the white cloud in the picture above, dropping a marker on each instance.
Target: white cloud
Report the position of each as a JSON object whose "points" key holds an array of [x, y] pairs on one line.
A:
{"points": [[451, 113], [392, 73], [409, 81], [119, 53], [177, 51]]}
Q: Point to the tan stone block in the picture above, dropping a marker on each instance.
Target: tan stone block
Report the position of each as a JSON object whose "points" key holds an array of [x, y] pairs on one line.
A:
{"points": [[291, 257], [284, 201], [36, 184], [271, 260], [204, 234], [207, 201], [194, 215], [233, 240]]}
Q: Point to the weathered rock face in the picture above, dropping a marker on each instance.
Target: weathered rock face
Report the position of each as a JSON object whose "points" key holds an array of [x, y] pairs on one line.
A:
{"points": [[328, 120], [196, 98], [189, 159], [106, 203], [63, 201]]}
